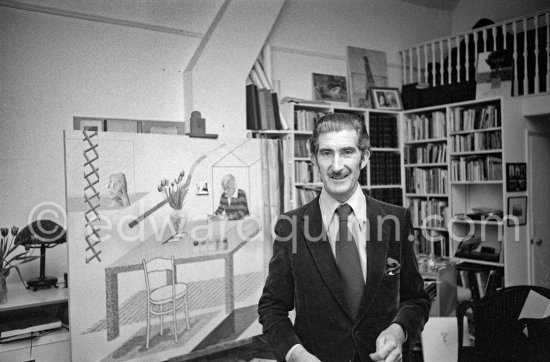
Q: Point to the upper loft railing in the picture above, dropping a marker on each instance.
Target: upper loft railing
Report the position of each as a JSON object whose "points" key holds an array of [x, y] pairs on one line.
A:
{"points": [[524, 41]]}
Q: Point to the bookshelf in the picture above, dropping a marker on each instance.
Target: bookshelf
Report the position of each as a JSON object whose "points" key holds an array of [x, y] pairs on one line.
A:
{"points": [[426, 174], [453, 169], [381, 178]]}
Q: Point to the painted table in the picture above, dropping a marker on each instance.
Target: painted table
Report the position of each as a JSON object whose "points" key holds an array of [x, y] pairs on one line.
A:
{"points": [[217, 240]]}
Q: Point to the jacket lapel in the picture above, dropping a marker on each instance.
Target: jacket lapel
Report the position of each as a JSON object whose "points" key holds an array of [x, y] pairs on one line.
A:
{"points": [[314, 233], [377, 249]]}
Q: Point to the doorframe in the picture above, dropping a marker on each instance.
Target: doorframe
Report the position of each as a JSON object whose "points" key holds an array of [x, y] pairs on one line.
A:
{"points": [[530, 220]]}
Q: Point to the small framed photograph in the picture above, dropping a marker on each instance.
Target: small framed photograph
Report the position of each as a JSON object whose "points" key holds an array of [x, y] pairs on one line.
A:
{"points": [[386, 98], [331, 88], [516, 177], [202, 188], [517, 207], [96, 125]]}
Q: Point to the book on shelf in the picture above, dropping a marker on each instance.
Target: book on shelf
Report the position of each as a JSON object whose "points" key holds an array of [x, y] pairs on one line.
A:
{"points": [[426, 181], [383, 130], [269, 109], [262, 110], [385, 168], [476, 168], [305, 119], [264, 116], [301, 147], [477, 141], [425, 154], [425, 126], [252, 108], [280, 124], [480, 117]]}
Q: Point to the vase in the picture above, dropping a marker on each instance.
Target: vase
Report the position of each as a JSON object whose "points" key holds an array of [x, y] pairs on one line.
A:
{"points": [[178, 219], [3, 289]]}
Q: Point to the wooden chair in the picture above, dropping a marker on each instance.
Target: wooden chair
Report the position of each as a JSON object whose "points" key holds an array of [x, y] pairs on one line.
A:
{"points": [[498, 333], [164, 295]]}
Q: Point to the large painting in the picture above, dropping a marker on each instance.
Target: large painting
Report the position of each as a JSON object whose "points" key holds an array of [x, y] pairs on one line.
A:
{"points": [[366, 69], [132, 203]]}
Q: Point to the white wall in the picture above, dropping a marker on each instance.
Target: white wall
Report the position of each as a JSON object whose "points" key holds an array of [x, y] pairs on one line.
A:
{"points": [[313, 35], [55, 67], [468, 12]]}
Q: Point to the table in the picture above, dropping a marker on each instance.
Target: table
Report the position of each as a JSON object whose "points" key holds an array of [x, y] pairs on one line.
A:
{"points": [[237, 234]]}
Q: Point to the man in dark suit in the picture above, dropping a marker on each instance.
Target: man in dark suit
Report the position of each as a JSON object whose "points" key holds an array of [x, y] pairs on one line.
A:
{"points": [[356, 290]]}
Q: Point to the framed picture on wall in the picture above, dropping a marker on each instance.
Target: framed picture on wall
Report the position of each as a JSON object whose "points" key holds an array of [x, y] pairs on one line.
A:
{"points": [[517, 208], [330, 88], [366, 69], [202, 188], [386, 98], [516, 177]]}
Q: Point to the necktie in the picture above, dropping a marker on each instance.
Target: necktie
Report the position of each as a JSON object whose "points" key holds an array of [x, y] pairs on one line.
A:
{"points": [[348, 263]]}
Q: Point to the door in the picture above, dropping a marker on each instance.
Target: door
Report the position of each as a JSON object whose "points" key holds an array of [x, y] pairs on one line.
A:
{"points": [[539, 174]]}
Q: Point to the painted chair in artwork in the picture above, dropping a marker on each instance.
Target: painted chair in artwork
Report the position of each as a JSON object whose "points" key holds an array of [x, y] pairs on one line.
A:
{"points": [[164, 294]]}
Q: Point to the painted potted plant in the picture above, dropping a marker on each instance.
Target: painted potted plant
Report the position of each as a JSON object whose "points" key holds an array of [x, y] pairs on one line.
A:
{"points": [[174, 193], [11, 257]]}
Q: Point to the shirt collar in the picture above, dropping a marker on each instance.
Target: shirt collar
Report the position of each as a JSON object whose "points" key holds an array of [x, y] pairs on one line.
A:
{"points": [[357, 201], [233, 195]]}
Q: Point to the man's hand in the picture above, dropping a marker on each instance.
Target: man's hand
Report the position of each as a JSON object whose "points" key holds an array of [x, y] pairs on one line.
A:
{"points": [[389, 344], [300, 354]]}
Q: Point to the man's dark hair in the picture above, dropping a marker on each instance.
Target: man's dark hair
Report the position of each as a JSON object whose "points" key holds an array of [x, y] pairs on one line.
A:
{"points": [[335, 122]]}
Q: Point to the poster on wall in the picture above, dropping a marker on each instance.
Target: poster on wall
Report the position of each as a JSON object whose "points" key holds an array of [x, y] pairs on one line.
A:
{"points": [[140, 203], [494, 72], [366, 69], [516, 176], [331, 88]]}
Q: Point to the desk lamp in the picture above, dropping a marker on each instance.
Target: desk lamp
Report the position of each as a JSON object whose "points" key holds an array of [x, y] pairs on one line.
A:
{"points": [[43, 234]]}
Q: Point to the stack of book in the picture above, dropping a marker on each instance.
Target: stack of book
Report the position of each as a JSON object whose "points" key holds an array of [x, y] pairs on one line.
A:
{"points": [[383, 130], [262, 110], [477, 141], [430, 153], [474, 118], [426, 126], [426, 181], [385, 168], [305, 119], [476, 168]]}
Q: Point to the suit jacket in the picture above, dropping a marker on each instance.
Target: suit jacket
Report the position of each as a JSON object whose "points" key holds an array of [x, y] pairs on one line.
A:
{"points": [[303, 276]]}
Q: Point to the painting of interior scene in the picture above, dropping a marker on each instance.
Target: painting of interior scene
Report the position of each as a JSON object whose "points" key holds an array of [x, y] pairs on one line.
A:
{"points": [[169, 243]]}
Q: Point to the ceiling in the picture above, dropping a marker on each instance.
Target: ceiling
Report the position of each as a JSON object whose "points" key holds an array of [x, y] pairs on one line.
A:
{"points": [[436, 4]]}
